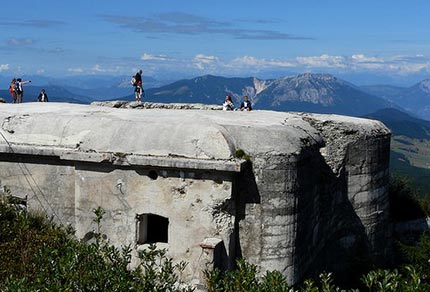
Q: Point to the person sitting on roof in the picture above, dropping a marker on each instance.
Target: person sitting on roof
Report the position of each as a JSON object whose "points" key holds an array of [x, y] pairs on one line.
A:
{"points": [[228, 104], [246, 104], [43, 97]]}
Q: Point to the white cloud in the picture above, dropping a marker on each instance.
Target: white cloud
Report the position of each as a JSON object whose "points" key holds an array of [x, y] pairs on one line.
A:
{"points": [[205, 59], [323, 61], [4, 67], [206, 62], [360, 58], [250, 65], [20, 42], [76, 70], [408, 68], [252, 61], [400, 65], [149, 57], [97, 69]]}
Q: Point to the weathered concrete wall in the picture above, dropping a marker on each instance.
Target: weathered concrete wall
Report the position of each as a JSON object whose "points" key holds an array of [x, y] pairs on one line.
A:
{"points": [[312, 196], [191, 201], [48, 184]]}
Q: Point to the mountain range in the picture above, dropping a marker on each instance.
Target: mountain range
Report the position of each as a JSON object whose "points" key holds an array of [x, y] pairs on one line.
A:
{"points": [[55, 94], [402, 124], [79, 89], [414, 99], [322, 93], [410, 146]]}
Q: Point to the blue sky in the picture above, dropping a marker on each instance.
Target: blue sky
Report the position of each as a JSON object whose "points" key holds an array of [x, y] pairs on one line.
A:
{"points": [[230, 38]]}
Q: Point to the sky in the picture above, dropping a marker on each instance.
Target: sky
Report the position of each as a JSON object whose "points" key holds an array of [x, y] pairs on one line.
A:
{"points": [[169, 39]]}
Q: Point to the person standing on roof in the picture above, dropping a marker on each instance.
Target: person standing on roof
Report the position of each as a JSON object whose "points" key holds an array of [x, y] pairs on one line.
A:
{"points": [[12, 89], [138, 77], [138, 90], [19, 90]]}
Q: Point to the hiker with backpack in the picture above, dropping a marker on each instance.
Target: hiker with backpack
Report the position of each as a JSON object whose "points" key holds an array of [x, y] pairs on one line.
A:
{"points": [[12, 89], [19, 90], [136, 81]]}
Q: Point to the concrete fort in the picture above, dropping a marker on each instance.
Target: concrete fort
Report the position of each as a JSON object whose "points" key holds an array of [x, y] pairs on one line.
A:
{"points": [[309, 193]]}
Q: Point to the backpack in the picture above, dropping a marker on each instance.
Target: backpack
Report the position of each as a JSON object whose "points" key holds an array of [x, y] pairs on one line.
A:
{"points": [[133, 81], [16, 88]]}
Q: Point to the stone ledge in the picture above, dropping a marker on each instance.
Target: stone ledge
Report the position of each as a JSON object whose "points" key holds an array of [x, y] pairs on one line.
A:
{"points": [[156, 105], [124, 159], [210, 243]]}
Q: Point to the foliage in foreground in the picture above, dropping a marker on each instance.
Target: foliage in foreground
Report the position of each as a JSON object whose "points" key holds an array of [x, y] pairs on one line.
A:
{"points": [[408, 279], [37, 255]]}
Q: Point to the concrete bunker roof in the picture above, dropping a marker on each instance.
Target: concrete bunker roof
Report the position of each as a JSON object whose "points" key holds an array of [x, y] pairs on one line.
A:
{"points": [[168, 138]]}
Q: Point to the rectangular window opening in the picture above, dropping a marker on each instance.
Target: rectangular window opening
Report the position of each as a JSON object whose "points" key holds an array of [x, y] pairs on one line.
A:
{"points": [[152, 228]]}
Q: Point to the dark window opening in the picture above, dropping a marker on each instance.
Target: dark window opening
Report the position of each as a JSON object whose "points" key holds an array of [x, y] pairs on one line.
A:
{"points": [[152, 174], [152, 228]]}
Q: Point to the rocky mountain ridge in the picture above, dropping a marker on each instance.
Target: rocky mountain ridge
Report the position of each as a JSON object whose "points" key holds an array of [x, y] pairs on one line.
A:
{"points": [[309, 92], [415, 99], [321, 93]]}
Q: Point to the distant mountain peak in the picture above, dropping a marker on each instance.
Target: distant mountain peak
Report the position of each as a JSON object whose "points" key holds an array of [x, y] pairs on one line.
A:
{"points": [[315, 79], [425, 85], [323, 76], [261, 85]]}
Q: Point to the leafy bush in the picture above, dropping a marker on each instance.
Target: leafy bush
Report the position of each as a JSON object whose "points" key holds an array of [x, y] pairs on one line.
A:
{"points": [[241, 154], [245, 278], [37, 255]]}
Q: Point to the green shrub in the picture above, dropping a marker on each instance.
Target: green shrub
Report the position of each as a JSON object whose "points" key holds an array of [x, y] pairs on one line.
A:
{"points": [[242, 155], [37, 255], [245, 278]]}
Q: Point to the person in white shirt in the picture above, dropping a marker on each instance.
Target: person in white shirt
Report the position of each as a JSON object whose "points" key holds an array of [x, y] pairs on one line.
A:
{"points": [[228, 104]]}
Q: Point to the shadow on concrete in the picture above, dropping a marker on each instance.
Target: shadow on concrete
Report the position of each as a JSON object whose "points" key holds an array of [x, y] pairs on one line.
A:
{"points": [[331, 237], [245, 191]]}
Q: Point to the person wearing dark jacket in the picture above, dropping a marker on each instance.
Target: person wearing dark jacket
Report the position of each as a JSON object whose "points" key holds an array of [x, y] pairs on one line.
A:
{"points": [[19, 91], [138, 77], [138, 90], [43, 97], [246, 104]]}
